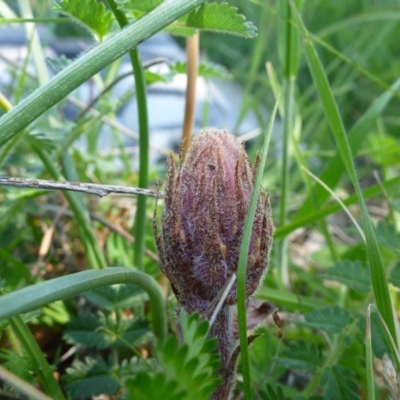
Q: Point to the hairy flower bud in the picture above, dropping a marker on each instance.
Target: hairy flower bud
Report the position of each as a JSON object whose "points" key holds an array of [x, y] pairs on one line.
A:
{"points": [[206, 203]]}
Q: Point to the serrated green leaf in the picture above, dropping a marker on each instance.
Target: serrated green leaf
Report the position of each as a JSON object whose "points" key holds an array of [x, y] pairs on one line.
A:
{"points": [[189, 369], [220, 18], [340, 384], [301, 357], [329, 319], [89, 13], [116, 297], [103, 331], [354, 275], [19, 365], [144, 387], [144, 6], [60, 63], [388, 236], [273, 393], [91, 378]]}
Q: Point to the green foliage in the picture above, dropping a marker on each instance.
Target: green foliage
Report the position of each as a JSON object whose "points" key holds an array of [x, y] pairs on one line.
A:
{"points": [[220, 18], [298, 355], [353, 274], [140, 5], [329, 319], [116, 297], [20, 365], [92, 378], [188, 368], [101, 330], [340, 384], [91, 14]]}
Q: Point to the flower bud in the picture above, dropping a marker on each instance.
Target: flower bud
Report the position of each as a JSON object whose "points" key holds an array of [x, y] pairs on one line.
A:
{"points": [[206, 203]]}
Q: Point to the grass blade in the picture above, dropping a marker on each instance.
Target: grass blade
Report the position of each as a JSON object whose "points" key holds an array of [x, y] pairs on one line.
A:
{"points": [[379, 281], [242, 265]]}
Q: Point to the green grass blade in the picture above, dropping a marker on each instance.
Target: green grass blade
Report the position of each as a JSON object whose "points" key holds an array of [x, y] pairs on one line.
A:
{"points": [[379, 281], [315, 215], [32, 297], [33, 350], [357, 134], [242, 264], [369, 357], [144, 142]]}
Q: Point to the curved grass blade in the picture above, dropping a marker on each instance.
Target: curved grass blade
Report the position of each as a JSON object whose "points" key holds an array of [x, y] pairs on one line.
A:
{"points": [[35, 296]]}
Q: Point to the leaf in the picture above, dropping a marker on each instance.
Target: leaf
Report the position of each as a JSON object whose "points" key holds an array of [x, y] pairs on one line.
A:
{"points": [[19, 365], [301, 357], [220, 18], [340, 384], [329, 319], [115, 297], [144, 6], [388, 236], [90, 378], [89, 13], [273, 393], [188, 369], [103, 331], [354, 275], [60, 63]]}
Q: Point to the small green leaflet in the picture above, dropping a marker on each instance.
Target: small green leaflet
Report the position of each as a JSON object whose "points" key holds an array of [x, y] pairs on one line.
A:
{"points": [[188, 369], [144, 6], [340, 384], [91, 378], [301, 357], [102, 330], [89, 13], [213, 17], [206, 69], [329, 319], [220, 18], [354, 275]]}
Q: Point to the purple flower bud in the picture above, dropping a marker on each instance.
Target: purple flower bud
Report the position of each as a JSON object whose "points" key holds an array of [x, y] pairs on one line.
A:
{"points": [[206, 203]]}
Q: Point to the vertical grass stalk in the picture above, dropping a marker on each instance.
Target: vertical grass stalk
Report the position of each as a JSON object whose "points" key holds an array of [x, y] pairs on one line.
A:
{"points": [[144, 141]]}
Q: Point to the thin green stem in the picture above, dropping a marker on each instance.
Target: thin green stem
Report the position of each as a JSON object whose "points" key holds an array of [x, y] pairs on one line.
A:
{"points": [[144, 142]]}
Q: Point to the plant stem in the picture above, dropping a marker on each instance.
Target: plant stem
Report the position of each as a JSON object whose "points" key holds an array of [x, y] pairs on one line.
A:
{"points": [[141, 96], [192, 50]]}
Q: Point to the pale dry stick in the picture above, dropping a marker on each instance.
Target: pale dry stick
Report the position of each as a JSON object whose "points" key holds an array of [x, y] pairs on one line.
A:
{"points": [[92, 188], [192, 49], [335, 196]]}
